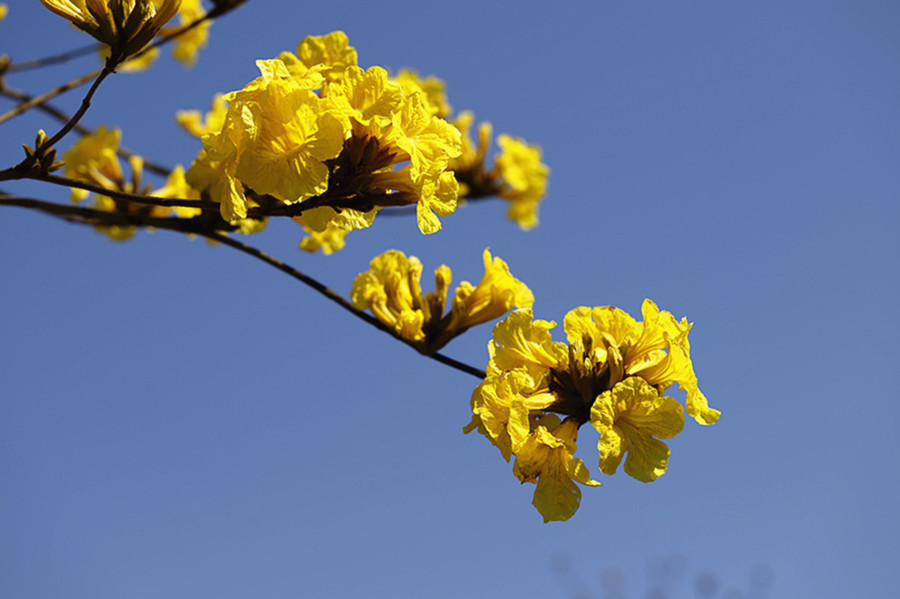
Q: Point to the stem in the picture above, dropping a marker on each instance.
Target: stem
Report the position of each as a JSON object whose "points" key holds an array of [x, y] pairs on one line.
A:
{"points": [[108, 68], [37, 100], [48, 60], [90, 216], [118, 195], [59, 115], [328, 293]]}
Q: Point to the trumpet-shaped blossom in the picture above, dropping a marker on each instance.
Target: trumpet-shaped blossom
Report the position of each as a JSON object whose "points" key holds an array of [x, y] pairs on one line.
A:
{"points": [[524, 178], [546, 458], [391, 289], [124, 25], [613, 373]]}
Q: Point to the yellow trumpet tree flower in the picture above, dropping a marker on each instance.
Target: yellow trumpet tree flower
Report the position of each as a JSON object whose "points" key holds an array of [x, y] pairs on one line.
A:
{"points": [[126, 26], [391, 289], [613, 373], [546, 458]]}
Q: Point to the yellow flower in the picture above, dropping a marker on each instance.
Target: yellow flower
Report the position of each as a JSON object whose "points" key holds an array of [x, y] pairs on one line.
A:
{"points": [[632, 417], [656, 350], [213, 171], [524, 177], [197, 125], [612, 373], [177, 187], [188, 44], [391, 289], [93, 159], [547, 458], [366, 97], [125, 25], [502, 406], [327, 229], [3, 10], [496, 294], [430, 142], [432, 89], [520, 342], [286, 139], [332, 51], [472, 153]]}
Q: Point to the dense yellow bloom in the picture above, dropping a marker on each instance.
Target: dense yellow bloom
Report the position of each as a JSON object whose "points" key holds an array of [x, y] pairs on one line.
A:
{"points": [[524, 177], [315, 126], [656, 350], [318, 132], [3, 10], [391, 289], [124, 25], [613, 373]]}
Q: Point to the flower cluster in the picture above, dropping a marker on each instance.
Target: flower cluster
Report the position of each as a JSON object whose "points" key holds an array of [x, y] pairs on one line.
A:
{"points": [[318, 138], [518, 175], [613, 373], [392, 290], [94, 159]]}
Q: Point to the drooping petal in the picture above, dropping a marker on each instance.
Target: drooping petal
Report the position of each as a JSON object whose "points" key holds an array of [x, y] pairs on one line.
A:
{"points": [[547, 458], [631, 418]]}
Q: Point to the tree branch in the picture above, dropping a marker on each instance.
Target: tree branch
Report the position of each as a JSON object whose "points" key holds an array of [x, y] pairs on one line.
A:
{"points": [[17, 94], [55, 59], [83, 215]]}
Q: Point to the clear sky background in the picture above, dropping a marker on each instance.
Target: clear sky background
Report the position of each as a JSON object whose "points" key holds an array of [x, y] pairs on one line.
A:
{"points": [[178, 420]]}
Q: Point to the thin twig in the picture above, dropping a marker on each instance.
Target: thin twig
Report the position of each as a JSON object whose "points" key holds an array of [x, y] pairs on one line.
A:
{"points": [[91, 216], [17, 94], [108, 69], [11, 174], [37, 100], [55, 59], [328, 293]]}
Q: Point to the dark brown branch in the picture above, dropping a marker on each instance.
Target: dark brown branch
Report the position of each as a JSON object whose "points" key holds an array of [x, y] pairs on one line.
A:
{"points": [[96, 217], [118, 195], [331, 295]]}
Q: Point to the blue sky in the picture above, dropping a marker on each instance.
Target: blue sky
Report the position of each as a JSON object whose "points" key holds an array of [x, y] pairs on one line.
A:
{"points": [[179, 420]]}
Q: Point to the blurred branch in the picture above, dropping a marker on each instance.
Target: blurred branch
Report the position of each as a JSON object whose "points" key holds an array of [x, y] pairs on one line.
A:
{"points": [[55, 59], [11, 174], [61, 116], [37, 100]]}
